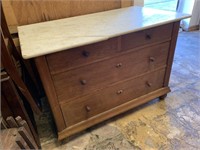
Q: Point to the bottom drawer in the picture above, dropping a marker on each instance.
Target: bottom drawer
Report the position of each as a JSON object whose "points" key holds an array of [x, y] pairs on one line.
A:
{"points": [[110, 97]]}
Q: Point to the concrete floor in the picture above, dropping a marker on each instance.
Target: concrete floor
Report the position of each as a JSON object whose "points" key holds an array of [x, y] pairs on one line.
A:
{"points": [[173, 123]]}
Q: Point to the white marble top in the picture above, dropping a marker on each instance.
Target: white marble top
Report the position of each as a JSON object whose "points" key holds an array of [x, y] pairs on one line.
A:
{"points": [[58, 35]]}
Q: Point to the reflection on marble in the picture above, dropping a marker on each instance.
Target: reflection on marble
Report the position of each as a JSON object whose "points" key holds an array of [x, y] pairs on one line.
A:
{"points": [[169, 5], [173, 123]]}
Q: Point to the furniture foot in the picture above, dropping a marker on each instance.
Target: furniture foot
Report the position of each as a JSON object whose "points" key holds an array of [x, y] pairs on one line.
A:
{"points": [[163, 97]]}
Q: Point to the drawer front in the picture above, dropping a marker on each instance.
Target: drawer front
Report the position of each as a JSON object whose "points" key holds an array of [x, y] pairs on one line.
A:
{"points": [[110, 97], [149, 36], [63, 61], [78, 82]]}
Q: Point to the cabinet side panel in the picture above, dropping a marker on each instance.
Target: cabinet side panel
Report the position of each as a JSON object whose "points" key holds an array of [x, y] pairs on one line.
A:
{"points": [[175, 30], [48, 85]]}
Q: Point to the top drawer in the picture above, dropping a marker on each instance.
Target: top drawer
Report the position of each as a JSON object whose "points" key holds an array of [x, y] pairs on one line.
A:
{"points": [[140, 38], [66, 60]]}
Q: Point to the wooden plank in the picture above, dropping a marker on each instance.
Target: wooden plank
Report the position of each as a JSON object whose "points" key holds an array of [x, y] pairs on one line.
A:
{"points": [[32, 133], [10, 15], [82, 7], [30, 11], [14, 51], [126, 3], [24, 124], [11, 102], [17, 44], [4, 124], [18, 119], [11, 122], [21, 142], [38, 11], [12, 29], [12, 71], [15, 104], [30, 142], [48, 84], [5, 109]]}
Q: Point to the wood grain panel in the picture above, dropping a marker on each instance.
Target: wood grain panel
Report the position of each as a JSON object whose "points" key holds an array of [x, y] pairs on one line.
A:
{"points": [[112, 112], [82, 7], [31, 11], [88, 106], [126, 3], [147, 36], [70, 84], [27, 12], [10, 16], [76, 57]]}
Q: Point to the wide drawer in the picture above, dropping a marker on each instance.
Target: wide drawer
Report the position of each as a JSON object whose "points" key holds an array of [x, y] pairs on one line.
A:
{"points": [[148, 36], [78, 82], [65, 60], [110, 97]]}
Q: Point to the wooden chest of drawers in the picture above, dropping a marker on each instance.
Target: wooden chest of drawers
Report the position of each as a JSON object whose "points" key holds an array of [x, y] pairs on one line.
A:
{"points": [[90, 83], [94, 82]]}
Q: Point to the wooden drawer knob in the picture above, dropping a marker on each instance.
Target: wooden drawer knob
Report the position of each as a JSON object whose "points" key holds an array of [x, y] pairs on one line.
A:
{"points": [[119, 65], [152, 59], [83, 82], [148, 36], [148, 84], [119, 92], [85, 53], [87, 108]]}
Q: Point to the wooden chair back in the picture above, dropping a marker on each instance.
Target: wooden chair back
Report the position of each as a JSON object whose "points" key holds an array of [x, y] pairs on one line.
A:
{"points": [[17, 132]]}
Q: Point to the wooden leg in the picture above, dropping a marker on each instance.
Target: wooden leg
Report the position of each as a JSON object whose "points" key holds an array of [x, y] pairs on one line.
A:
{"points": [[163, 97]]}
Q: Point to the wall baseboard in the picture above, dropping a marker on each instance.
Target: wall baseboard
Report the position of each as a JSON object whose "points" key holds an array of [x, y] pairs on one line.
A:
{"points": [[193, 28]]}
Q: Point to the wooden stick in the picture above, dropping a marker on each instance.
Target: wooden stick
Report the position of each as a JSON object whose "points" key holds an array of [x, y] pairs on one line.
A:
{"points": [[24, 124], [12, 71], [4, 124], [21, 142], [31, 143], [11, 122], [18, 119]]}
